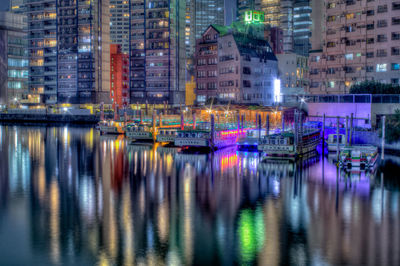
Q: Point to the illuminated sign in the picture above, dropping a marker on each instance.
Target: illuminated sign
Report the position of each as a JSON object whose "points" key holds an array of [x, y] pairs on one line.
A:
{"points": [[252, 16]]}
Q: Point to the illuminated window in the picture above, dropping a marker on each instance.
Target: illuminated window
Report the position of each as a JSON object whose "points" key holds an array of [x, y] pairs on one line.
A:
{"points": [[381, 67]]}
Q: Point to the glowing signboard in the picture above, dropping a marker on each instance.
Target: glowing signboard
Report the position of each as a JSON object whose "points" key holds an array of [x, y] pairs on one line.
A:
{"points": [[255, 17]]}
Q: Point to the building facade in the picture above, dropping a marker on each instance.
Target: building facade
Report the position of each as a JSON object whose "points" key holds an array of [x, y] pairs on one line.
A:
{"points": [[13, 59], [119, 76], [68, 42], [17, 6], [293, 73], [242, 70], [361, 42], [293, 17], [157, 52], [119, 23]]}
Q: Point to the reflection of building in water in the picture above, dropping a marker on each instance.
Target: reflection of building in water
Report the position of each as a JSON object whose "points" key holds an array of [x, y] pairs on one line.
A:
{"points": [[131, 205]]}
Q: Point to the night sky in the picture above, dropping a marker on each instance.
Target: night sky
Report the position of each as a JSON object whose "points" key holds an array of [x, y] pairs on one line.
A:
{"points": [[4, 5]]}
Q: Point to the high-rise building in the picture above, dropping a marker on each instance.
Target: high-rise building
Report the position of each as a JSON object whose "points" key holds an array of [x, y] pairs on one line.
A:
{"points": [[68, 44], [302, 27], [361, 42], [119, 76], [83, 51], [292, 16], [157, 51], [42, 50], [119, 23], [17, 6], [208, 12], [13, 59], [190, 28]]}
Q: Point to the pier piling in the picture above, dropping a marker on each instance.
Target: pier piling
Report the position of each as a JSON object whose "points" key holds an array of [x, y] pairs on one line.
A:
{"points": [[383, 136], [267, 126], [347, 130], [337, 138], [351, 129]]}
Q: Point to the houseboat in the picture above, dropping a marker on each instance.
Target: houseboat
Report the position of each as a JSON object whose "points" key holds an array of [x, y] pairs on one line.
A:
{"points": [[251, 139], [166, 135], [140, 133], [362, 156], [332, 142], [205, 136], [111, 127], [284, 144]]}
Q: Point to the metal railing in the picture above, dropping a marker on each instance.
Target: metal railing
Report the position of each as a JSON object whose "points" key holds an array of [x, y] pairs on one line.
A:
{"points": [[343, 98]]}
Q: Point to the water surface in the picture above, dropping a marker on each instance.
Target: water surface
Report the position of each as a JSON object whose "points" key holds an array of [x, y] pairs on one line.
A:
{"points": [[69, 196]]}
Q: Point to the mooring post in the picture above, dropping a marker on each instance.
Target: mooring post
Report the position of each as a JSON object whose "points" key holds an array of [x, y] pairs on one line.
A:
{"points": [[194, 120], [323, 132], [259, 127], [182, 121], [337, 138], [101, 111], [347, 130], [212, 119], [351, 129], [154, 124], [267, 126], [238, 122], [383, 136], [141, 116], [243, 119], [160, 118], [283, 122], [125, 116], [296, 142], [116, 115]]}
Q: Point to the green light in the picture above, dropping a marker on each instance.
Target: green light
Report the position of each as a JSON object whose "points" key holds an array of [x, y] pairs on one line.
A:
{"points": [[254, 17]]}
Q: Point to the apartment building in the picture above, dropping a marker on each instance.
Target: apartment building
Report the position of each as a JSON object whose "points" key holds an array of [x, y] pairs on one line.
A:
{"points": [[293, 73], [235, 67], [13, 59], [361, 42], [68, 48], [157, 52], [119, 23]]}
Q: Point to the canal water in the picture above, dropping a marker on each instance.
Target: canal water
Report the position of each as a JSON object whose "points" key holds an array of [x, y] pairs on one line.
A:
{"points": [[69, 196]]}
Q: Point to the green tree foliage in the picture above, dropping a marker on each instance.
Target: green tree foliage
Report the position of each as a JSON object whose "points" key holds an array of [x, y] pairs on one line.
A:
{"points": [[392, 128], [374, 87]]}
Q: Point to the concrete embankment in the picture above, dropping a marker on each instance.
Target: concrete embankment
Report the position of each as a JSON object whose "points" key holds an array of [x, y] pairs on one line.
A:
{"points": [[27, 118]]}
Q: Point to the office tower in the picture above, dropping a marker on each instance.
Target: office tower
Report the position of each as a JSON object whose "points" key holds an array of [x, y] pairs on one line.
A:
{"points": [[292, 16], [69, 50], [190, 28], [17, 6], [13, 59], [157, 52], [234, 67], [119, 23], [302, 27], [361, 41], [208, 12], [119, 76]]}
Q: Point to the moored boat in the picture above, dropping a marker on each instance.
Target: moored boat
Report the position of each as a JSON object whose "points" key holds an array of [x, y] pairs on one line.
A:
{"points": [[140, 132], [111, 127], [332, 142], [166, 135], [285, 144], [362, 156], [251, 139]]}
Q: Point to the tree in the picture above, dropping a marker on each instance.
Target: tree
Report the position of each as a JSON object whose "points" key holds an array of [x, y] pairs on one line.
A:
{"points": [[374, 87], [392, 128]]}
